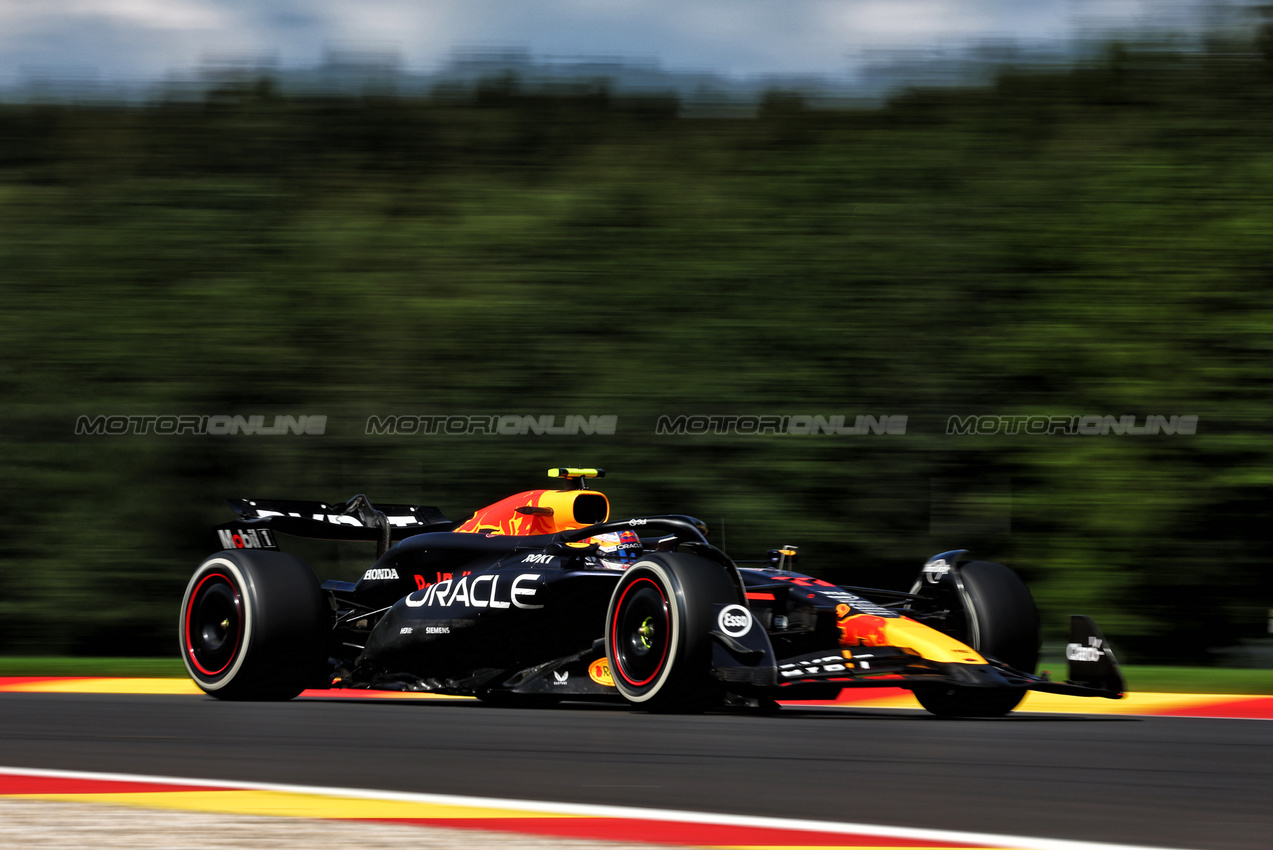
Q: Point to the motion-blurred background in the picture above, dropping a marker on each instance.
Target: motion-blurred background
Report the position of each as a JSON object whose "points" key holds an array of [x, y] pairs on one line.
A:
{"points": [[928, 210]]}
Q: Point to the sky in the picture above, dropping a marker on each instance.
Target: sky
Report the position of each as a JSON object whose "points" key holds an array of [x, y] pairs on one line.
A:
{"points": [[142, 40]]}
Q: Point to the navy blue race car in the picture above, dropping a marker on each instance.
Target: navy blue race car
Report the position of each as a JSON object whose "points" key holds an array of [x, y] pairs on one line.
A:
{"points": [[541, 597]]}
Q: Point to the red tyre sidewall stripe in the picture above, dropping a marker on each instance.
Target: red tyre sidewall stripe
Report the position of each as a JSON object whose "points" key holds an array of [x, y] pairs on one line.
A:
{"points": [[614, 634], [238, 637]]}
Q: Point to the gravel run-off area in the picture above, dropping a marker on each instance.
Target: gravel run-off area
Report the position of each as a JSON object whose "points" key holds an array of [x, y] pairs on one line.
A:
{"points": [[37, 823]]}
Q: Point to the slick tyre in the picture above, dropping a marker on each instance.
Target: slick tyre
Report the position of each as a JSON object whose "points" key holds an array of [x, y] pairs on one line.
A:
{"points": [[954, 701], [253, 625], [1001, 621], [657, 631]]}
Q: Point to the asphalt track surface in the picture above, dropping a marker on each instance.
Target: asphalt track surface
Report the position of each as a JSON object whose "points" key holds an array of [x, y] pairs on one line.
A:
{"points": [[1172, 782]]}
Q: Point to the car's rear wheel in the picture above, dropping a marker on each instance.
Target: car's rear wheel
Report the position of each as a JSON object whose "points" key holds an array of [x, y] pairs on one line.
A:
{"points": [[657, 631], [253, 625], [999, 620]]}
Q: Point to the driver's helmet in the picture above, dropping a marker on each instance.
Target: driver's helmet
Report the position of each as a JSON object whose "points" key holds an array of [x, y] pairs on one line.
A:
{"points": [[617, 550]]}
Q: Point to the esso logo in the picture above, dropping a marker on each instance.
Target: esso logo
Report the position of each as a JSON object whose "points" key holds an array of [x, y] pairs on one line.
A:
{"points": [[734, 620]]}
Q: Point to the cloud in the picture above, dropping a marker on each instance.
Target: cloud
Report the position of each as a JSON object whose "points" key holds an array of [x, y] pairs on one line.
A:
{"points": [[148, 39]]}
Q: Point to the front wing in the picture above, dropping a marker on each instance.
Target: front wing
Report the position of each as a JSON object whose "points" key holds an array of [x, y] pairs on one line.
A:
{"points": [[746, 662]]}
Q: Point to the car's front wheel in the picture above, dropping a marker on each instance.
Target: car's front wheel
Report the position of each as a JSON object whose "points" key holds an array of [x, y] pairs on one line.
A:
{"points": [[999, 619], [956, 701]]}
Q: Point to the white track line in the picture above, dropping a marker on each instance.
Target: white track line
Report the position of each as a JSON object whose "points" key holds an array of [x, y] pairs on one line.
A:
{"points": [[587, 810]]}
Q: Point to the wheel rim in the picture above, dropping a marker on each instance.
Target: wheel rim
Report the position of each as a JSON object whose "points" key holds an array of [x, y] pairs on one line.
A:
{"points": [[213, 630], [641, 632]]}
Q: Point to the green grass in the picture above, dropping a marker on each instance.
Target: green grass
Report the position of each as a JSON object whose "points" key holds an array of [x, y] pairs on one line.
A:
{"points": [[162, 668], [1183, 680], [1197, 680]]}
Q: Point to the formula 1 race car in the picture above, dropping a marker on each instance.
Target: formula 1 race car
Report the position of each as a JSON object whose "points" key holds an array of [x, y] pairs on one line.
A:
{"points": [[541, 597]]}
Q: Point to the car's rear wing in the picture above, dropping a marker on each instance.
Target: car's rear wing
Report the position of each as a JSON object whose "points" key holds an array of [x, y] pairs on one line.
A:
{"points": [[356, 520]]}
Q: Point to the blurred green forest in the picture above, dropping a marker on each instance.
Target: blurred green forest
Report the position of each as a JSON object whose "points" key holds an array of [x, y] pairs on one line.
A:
{"points": [[1096, 240]]}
